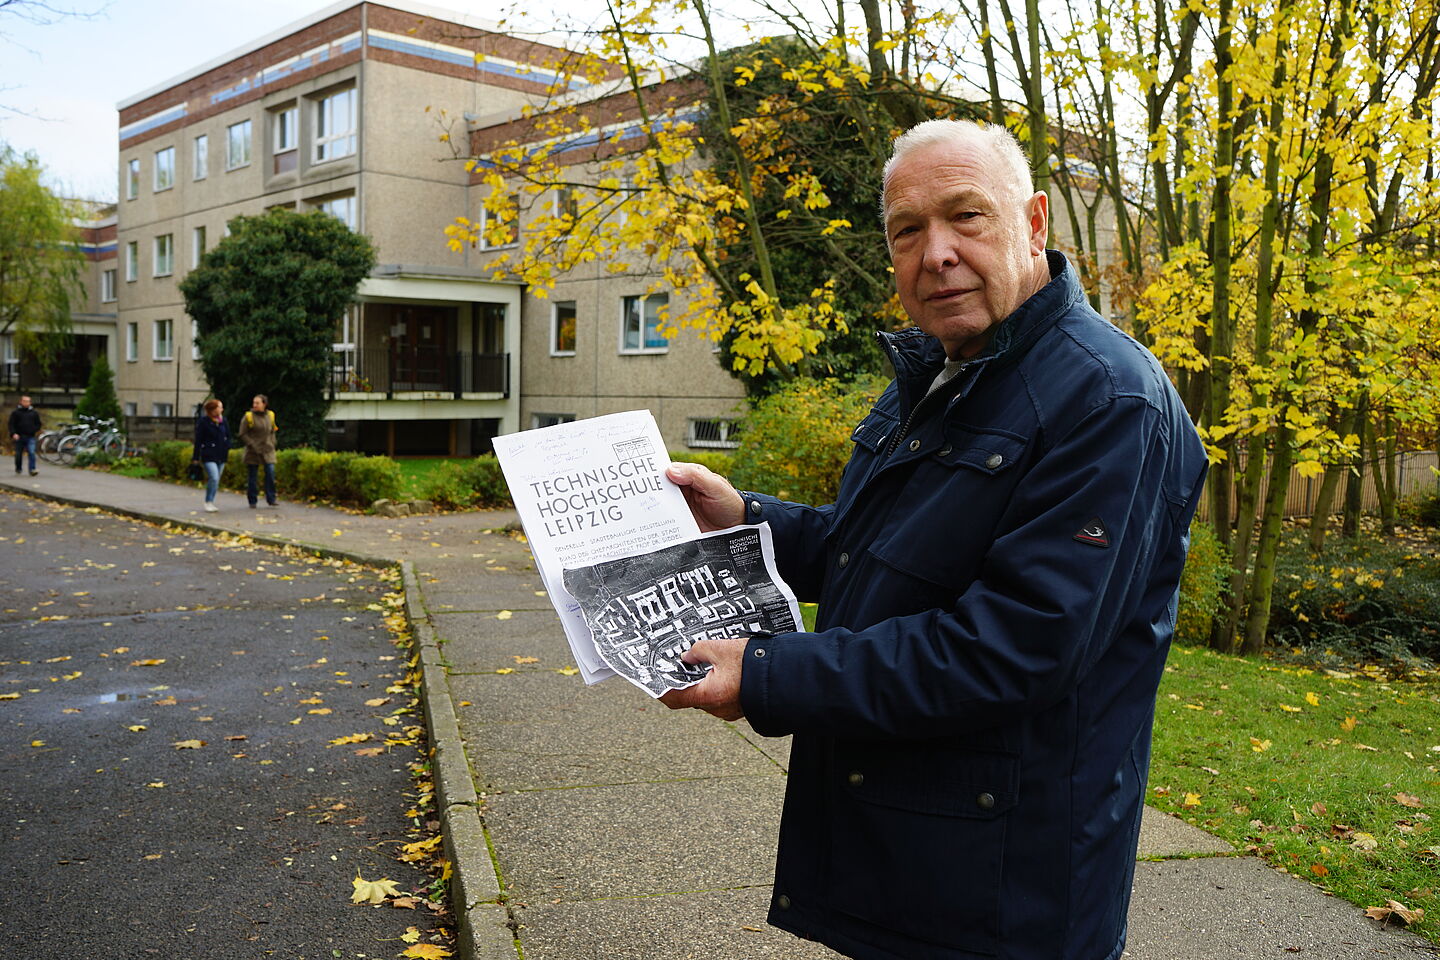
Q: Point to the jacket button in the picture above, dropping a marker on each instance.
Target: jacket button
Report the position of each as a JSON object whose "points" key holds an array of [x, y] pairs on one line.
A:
{"points": [[783, 902], [844, 559], [994, 461], [985, 801], [945, 450], [857, 779], [755, 508], [914, 444], [759, 652]]}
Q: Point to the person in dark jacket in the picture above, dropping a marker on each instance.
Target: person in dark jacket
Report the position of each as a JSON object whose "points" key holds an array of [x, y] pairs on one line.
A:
{"points": [[24, 427], [997, 581], [212, 448]]}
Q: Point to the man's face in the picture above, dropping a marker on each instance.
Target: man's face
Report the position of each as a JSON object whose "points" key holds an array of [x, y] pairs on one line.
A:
{"points": [[24, 401], [257, 405], [967, 250]]}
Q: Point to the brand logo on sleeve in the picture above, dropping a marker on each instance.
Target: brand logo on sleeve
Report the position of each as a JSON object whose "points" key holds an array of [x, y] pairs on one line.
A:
{"points": [[1094, 533]]}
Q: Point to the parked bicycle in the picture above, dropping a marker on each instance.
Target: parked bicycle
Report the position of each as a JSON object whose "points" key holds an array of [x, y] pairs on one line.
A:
{"points": [[90, 433]]}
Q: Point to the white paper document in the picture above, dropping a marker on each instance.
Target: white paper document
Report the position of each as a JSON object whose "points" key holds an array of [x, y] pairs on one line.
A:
{"points": [[634, 581], [589, 491]]}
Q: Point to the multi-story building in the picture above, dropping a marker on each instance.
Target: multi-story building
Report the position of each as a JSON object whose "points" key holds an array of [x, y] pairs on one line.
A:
{"points": [[343, 112]]}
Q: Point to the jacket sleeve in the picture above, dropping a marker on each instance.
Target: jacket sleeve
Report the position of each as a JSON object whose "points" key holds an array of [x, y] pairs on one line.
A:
{"points": [[1021, 637], [799, 533]]}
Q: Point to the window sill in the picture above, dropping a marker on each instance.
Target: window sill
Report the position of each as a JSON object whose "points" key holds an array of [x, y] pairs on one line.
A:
{"points": [[562, 353], [163, 359], [240, 166], [646, 351]]}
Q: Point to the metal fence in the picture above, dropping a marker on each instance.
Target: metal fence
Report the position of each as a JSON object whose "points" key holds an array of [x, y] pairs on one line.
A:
{"points": [[1414, 473]]}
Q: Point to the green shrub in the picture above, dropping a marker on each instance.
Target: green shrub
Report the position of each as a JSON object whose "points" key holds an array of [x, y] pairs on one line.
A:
{"points": [[467, 483], [287, 467], [1364, 599], [717, 460], [94, 457], [796, 441], [171, 458], [1203, 584], [233, 476], [1422, 509], [373, 478], [312, 475]]}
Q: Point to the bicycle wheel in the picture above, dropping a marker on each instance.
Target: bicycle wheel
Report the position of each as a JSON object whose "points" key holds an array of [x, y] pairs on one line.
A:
{"points": [[47, 445], [113, 445], [68, 448]]}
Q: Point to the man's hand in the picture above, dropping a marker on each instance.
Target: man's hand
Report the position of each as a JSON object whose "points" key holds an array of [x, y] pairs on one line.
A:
{"points": [[712, 500], [719, 693]]}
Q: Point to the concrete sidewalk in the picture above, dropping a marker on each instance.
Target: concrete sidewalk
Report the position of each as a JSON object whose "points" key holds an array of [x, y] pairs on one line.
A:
{"points": [[595, 823]]}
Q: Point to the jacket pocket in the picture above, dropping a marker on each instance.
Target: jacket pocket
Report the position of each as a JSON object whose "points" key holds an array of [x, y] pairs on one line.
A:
{"points": [[919, 840]]}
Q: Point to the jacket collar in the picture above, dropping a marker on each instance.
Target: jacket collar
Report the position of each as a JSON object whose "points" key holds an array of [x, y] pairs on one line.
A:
{"points": [[917, 356]]}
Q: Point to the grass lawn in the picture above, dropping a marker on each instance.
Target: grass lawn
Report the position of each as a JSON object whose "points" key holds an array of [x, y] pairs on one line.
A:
{"points": [[1331, 775], [414, 470], [134, 467]]}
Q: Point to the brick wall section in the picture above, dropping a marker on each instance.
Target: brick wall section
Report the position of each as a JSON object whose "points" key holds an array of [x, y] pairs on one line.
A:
{"points": [[98, 236], [680, 94]]}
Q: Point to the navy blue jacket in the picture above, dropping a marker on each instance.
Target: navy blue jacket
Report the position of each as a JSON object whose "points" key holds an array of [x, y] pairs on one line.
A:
{"points": [[212, 440], [997, 584]]}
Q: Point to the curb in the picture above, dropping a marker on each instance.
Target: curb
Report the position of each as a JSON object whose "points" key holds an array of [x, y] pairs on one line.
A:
{"points": [[482, 930], [483, 921]]}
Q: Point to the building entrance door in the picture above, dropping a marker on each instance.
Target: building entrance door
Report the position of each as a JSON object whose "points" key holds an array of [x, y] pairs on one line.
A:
{"points": [[422, 345]]}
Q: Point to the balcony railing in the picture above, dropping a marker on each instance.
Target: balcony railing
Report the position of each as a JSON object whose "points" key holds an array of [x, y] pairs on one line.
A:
{"points": [[419, 370]]}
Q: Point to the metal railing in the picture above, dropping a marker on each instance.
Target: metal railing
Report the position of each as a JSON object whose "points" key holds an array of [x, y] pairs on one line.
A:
{"points": [[419, 370]]}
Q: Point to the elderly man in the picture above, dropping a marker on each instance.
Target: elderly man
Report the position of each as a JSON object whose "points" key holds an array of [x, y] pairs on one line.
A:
{"points": [[997, 585]]}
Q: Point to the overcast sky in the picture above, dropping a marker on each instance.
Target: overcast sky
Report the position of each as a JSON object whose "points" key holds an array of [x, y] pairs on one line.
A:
{"points": [[60, 80]]}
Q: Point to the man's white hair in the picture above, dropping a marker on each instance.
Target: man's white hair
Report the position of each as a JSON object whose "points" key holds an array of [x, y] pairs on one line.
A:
{"points": [[996, 140]]}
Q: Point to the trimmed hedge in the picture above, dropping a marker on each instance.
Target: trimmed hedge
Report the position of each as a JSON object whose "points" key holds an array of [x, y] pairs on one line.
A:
{"points": [[717, 461], [339, 477], [457, 484]]}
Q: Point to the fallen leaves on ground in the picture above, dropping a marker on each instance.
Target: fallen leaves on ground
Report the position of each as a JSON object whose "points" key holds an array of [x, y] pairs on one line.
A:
{"points": [[1394, 908], [188, 744], [146, 663], [427, 951], [352, 738], [372, 891]]}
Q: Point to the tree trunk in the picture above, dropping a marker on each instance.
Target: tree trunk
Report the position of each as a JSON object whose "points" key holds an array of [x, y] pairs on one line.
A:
{"points": [[1382, 468], [1222, 322], [1355, 482], [1325, 499]]}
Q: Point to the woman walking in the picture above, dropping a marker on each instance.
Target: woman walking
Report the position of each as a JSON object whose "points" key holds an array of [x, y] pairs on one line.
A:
{"points": [[212, 448]]}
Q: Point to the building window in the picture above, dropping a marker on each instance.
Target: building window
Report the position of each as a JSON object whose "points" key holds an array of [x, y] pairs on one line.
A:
{"points": [[132, 342], [165, 255], [132, 179], [131, 408], [237, 145], [162, 409], [194, 340], [286, 124], [164, 341], [197, 245], [538, 420], [132, 261], [499, 229], [640, 323], [335, 126], [202, 156], [719, 434], [164, 169], [107, 286], [567, 204], [342, 208], [562, 329]]}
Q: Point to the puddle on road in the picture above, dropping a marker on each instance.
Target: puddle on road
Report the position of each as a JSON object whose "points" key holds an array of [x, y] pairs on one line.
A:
{"points": [[122, 697]]}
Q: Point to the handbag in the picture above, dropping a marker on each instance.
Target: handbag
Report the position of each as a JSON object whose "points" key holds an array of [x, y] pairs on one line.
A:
{"points": [[195, 472]]}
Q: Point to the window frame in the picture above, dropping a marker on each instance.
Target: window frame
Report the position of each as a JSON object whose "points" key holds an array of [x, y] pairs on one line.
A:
{"points": [[486, 213], [165, 166], [132, 342], [161, 408], [729, 428], [641, 299], [132, 261], [286, 121], [322, 142], [132, 178], [108, 280], [352, 221], [249, 148], [194, 339], [554, 419], [156, 341], [198, 244], [200, 157], [167, 259], [555, 349]]}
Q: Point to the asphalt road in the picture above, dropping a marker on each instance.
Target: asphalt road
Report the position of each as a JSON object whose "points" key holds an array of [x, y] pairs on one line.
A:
{"points": [[123, 640]]}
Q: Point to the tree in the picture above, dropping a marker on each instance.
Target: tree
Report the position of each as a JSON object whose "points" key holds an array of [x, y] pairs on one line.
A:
{"points": [[265, 300], [99, 400], [40, 259]]}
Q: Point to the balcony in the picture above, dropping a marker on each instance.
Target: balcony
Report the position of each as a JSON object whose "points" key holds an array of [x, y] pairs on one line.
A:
{"points": [[418, 373]]}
